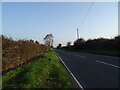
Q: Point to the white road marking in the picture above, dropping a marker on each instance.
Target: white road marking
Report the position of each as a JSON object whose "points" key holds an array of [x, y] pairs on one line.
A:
{"points": [[71, 73], [80, 56], [111, 57], [108, 64]]}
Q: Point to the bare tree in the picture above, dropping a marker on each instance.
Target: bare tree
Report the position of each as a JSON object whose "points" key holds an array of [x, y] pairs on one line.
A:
{"points": [[48, 40]]}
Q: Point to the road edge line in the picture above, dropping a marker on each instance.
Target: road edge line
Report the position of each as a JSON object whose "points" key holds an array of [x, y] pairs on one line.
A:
{"points": [[70, 72]]}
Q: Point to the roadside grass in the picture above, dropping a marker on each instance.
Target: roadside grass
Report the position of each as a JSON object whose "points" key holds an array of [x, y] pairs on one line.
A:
{"points": [[44, 72], [115, 53]]}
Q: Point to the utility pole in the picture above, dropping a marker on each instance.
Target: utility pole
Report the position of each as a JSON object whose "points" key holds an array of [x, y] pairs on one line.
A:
{"points": [[77, 34]]}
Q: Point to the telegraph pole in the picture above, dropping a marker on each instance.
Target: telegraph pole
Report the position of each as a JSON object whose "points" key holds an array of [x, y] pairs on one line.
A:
{"points": [[77, 34]]}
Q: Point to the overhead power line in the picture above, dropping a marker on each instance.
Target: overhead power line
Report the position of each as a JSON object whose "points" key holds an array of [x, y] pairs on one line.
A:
{"points": [[86, 13], [84, 19]]}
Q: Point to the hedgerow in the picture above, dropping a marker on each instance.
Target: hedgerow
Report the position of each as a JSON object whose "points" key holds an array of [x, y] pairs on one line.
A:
{"points": [[15, 53]]}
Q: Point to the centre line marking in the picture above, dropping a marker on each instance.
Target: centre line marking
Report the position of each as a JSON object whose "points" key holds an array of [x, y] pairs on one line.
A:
{"points": [[108, 64], [80, 56]]}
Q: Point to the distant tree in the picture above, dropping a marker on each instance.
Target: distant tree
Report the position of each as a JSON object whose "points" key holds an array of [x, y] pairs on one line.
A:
{"points": [[48, 40], [79, 41], [36, 42], [31, 40], [117, 37], [59, 45], [68, 44]]}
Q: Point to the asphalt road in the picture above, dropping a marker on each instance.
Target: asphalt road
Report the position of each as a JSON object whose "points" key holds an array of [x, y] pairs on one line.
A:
{"points": [[91, 70]]}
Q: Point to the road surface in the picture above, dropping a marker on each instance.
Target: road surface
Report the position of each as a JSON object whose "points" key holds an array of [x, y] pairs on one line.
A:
{"points": [[91, 70]]}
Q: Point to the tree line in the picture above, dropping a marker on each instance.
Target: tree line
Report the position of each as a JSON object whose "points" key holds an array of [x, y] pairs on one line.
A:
{"points": [[95, 44]]}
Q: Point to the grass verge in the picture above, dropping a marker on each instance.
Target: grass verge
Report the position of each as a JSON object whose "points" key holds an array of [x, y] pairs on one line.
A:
{"points": [[115, 53], [45, 72]]}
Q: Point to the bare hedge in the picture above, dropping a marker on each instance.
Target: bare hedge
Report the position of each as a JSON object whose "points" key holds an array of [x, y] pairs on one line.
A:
{"points": [[15, 53]]}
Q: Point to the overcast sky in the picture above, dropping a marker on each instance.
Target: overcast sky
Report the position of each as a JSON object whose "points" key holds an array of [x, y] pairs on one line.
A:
{"points": [[29, 20]]}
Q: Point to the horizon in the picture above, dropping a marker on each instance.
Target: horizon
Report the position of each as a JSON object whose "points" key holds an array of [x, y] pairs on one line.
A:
{"points": [[30, 20]]}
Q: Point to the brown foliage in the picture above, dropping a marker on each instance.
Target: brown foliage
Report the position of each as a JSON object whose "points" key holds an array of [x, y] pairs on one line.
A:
{"points": [[15, 53]]}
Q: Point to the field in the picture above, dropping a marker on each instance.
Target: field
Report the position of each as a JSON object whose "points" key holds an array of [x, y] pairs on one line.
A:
{"points": [[44, 72]]}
